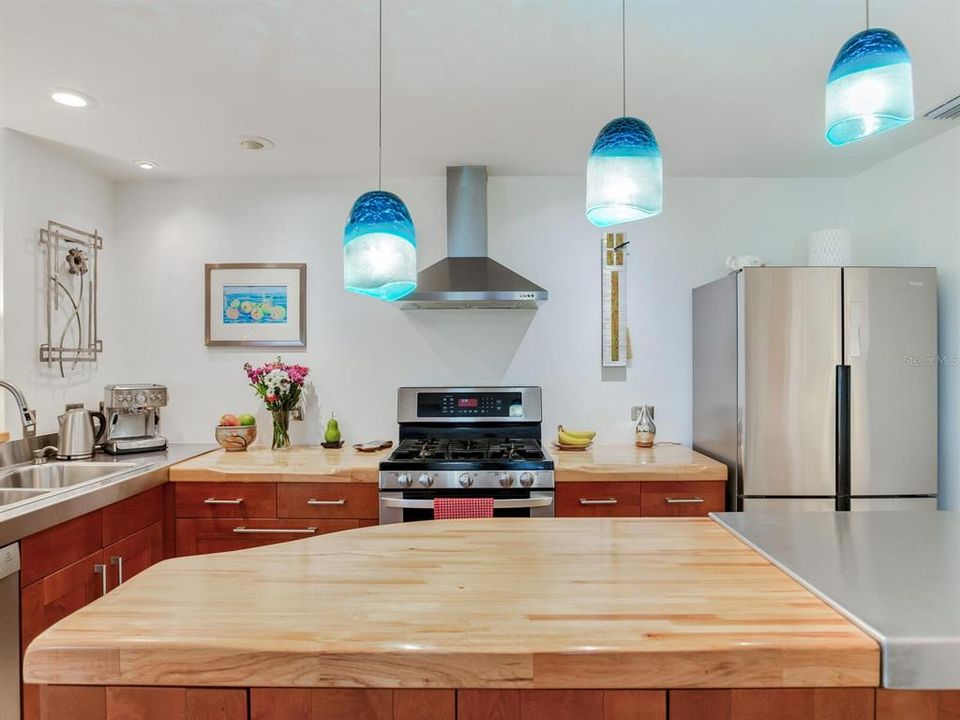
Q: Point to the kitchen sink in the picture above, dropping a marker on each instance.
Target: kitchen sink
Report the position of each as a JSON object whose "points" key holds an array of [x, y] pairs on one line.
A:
{"points": [[8, 496], [54, 475]]}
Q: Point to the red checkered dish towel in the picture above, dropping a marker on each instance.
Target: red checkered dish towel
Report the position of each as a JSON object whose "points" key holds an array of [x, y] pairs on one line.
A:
{"points": [[459, 507]]}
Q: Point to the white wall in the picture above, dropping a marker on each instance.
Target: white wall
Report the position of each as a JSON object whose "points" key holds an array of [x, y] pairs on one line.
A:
{"points": [[906, 211], [361, 350], [40, 183]]}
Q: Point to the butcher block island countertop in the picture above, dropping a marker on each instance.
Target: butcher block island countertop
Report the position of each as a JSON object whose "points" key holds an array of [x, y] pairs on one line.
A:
{"points": [[599, 462], [503, 603]]}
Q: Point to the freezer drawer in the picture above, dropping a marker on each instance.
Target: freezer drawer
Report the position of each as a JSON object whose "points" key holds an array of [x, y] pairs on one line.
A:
{"points": [[893, 504], [790, 345], [890, 344], [787, 504]]}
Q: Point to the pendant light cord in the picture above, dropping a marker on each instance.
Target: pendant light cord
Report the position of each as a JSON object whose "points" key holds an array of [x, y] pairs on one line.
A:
{"points": [[380, 98], [623, 53], [867, 6]]}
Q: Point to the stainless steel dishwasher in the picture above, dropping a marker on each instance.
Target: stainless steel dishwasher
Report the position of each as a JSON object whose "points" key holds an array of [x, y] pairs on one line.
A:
{"points": [[10, 632]]}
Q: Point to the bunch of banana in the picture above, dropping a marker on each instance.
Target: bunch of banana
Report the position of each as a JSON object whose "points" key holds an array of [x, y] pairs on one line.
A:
{"points": [[577, 438]]}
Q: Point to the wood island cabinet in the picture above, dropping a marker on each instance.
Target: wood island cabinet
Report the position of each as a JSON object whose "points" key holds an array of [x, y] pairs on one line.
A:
{"points": [[74, 702], [640, 499]]}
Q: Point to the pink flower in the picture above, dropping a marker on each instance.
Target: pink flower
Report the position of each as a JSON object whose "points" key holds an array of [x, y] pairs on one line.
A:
{"points": [[271, 398]]}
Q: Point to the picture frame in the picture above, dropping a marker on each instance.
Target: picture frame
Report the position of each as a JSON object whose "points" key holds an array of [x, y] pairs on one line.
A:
{"points": [[255, 305]]}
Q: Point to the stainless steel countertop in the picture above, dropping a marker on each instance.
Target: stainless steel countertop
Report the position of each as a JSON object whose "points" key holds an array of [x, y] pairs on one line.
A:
{"points": [[895, 574], [57, 507]]}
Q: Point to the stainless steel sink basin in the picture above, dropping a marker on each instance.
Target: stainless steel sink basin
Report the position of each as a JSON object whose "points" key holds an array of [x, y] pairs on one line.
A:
{"points": [[54, 475], [9, 496]]}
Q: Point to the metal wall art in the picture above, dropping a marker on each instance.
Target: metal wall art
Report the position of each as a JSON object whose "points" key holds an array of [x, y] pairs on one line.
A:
{"points": [[70, 277], [616, 336]]}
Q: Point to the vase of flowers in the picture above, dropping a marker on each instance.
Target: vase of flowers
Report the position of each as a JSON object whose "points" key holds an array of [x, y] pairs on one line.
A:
{"points": [[280, 386]]}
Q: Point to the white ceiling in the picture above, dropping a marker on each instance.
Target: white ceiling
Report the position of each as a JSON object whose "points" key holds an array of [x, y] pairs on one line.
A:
{"points": [[730, 87]]}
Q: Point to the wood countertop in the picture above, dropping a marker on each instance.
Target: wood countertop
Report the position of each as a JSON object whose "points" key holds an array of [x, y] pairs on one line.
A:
{"points": [[316, 464], [510, 603], [622, 461], [301, 463]]}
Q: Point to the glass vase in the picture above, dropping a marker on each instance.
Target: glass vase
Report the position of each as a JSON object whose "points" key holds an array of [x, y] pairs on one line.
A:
{"points": [[281, 429]]}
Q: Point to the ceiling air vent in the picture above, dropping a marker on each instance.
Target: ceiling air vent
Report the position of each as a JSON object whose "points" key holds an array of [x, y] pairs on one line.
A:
{"points": [[950, 110]]}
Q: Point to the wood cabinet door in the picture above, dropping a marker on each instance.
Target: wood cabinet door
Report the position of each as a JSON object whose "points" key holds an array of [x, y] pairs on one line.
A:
{"points": [[46, 601], [135, 513], [681, 499], [327, 500], [134, 554], [598, 499], [783, 704], [918, 704], [226, 499], [48, 551], [199, 536]]}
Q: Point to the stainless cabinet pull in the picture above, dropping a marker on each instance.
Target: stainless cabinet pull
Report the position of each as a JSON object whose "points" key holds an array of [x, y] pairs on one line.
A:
{"points": [[118, 561], [679, 501], [215, 501], [298, 531], [341, 501], [602, 501], [101, 570]]}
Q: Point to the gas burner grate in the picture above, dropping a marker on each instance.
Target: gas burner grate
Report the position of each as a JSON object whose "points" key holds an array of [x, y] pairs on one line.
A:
{"points": [[460, 449]]}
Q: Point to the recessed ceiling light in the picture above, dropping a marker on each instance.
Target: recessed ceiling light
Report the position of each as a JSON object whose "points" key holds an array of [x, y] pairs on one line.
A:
{"points": [[72, 98], [145, 164], [255, 142]]}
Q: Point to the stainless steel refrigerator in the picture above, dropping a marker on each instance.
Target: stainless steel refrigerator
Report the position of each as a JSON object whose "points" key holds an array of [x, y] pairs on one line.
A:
{"points": [[817, 386]]}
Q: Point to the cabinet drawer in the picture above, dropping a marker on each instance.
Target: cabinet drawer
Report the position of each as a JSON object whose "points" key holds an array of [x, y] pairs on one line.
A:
{"points": [[327, 500], [682, 499], [135, 513], [46, 601], [211, 500], [209, 535], [50, 550], [598, 499], [134, 554]]}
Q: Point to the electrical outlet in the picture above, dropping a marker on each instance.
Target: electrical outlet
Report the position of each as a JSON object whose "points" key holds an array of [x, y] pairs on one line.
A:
{"points": [[636, 410]]}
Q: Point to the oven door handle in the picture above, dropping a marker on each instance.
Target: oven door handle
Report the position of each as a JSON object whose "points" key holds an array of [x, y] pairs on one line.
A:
{"points": [[501, 504]]}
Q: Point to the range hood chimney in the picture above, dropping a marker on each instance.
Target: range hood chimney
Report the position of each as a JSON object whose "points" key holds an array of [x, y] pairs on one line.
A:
{"points": [[467, 278]]}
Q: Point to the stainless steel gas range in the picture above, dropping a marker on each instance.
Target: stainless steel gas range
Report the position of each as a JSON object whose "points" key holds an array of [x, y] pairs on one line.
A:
{"points": [[467, 442]]}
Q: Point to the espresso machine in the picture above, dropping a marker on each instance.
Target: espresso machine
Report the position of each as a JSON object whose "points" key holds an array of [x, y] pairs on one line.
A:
{"points": [[133, 418]]}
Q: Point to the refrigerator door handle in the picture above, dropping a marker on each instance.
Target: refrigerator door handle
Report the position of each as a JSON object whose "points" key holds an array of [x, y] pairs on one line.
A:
{"points": [[843, 437]]}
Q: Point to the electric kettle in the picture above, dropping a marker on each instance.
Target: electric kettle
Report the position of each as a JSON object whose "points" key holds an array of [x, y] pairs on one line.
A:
{"points": [[77, 433]]}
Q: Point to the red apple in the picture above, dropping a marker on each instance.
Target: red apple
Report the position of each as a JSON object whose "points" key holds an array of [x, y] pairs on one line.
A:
{"points": [[229, 420]]}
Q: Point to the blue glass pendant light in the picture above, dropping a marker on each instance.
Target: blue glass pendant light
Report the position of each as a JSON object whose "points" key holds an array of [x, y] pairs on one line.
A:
{"points": [[379, 240], [625, 168], [870, 86]]}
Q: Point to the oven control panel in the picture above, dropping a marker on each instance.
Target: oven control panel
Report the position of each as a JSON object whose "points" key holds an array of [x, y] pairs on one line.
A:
{"points": [[464, 405], [470, 404]]}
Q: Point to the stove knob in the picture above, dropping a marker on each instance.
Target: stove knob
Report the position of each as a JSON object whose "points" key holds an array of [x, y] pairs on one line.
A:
{"points": [[403, 480], [527, 479], [424, 480], [465, 480], [505, 479]]}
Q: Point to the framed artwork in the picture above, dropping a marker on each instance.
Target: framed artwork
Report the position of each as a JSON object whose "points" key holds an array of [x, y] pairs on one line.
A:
{"points": [[256, 305]]}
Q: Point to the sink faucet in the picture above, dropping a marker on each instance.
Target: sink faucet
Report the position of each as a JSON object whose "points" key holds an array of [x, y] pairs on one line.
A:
{"points": [[27, 418]]}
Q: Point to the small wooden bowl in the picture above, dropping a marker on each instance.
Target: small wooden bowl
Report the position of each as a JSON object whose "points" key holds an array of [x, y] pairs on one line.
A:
{"points": [[332, 446]]}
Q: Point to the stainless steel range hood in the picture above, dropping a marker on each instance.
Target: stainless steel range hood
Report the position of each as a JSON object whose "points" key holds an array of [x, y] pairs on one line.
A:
{"points": [[467, 278]]}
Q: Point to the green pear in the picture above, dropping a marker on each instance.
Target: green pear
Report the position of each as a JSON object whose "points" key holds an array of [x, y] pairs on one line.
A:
{"points": [[332, 433]]}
